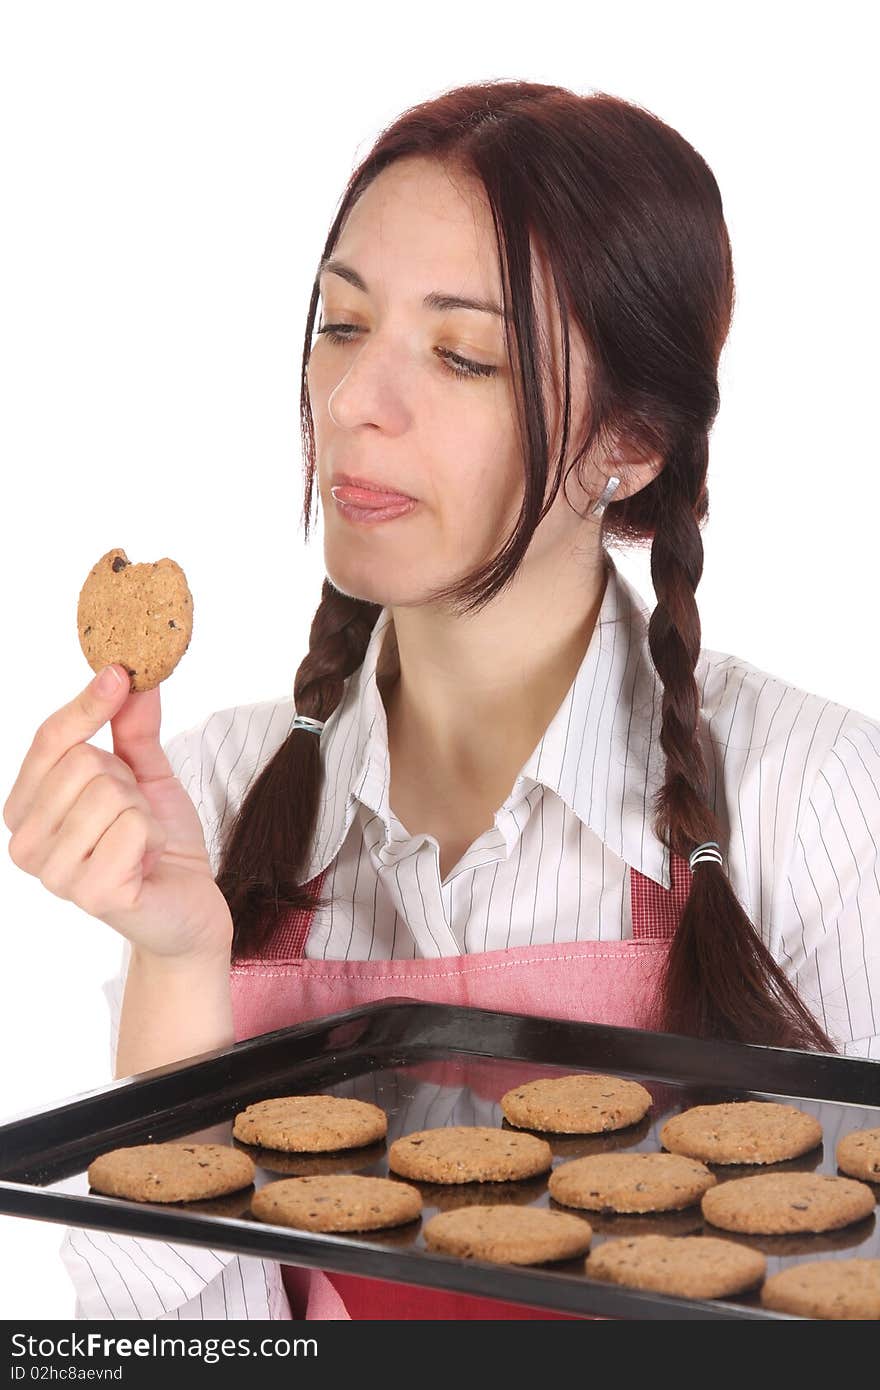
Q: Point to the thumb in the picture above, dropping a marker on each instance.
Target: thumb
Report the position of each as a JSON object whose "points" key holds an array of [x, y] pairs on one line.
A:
{"points": [[136, 733]]}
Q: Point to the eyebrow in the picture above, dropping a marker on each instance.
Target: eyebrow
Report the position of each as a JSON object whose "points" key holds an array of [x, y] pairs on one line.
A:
{"points": [[435, 300]]}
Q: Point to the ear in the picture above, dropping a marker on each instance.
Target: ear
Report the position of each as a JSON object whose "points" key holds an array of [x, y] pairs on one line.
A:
{"points": [[632, 466]]}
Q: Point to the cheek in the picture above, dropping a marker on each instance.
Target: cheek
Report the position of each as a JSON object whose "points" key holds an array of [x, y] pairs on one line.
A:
{"points": [[488, 490]]}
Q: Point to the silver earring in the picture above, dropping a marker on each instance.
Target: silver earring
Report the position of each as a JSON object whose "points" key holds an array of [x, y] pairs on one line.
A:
{"points": [[610, 488]]}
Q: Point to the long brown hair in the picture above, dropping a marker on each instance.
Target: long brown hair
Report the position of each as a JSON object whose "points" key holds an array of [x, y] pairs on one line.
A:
{"points": [[630, 219]]}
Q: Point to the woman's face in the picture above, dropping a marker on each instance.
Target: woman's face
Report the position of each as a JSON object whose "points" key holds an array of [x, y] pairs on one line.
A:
{"points": [[389, 405]]}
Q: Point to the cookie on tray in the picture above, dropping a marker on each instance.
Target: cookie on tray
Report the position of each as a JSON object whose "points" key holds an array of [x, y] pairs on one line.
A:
{"points": [[826, 1289], [170, 1172], [136, 616], [689, 1266], [570, 1146], [779, 1203], [449, 1196], [468, 1153], [338, 1203], [812, 1243], [742, 1131], [508, 1234], [310, 1124], [314, 1165], [234, 1204], [583, 1103], [687, 1222], [636, 1182], [858, 1154]]}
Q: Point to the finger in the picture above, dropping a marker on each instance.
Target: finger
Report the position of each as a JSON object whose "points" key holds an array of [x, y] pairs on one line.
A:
{"points": [[93, 806], [71, 869], [136, 735], [71, 724], [67, 786], [109, 882]]}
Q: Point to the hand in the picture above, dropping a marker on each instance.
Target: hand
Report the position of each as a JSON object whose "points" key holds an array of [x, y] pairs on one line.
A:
{"points": [[116, 833]]}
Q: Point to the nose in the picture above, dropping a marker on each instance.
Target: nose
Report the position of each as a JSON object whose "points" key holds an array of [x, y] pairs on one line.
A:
{"points": [[372, 387]]}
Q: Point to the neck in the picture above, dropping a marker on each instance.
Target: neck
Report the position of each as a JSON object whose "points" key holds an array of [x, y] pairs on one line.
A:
{"points": [[470, 697]]}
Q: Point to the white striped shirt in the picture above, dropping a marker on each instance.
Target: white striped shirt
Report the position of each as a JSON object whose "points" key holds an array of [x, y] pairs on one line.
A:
{"points": [[794, 780]]}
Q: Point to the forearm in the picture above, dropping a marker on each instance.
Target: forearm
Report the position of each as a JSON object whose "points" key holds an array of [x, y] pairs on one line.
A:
{"points": [[173, 1009]]}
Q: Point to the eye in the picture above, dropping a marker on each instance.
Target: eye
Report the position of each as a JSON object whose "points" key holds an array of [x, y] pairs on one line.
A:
{"points": [[461, 367]]}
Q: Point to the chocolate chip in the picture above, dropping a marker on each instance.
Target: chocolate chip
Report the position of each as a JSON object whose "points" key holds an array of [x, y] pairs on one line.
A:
{"points": [[119, 564], [172, 623]]}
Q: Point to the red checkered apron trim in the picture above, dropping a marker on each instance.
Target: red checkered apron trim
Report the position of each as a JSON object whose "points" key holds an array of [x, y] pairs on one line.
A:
{"points": [[655, 912]]}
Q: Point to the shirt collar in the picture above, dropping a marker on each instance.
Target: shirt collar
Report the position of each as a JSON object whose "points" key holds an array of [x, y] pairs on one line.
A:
{"points": [[600, 752]]}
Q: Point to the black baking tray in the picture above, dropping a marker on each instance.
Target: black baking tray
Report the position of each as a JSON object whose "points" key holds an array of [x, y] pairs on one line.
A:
{"points": [[426, 1065]]}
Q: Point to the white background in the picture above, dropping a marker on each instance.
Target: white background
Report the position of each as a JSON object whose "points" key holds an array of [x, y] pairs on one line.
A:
{"points": [[169, 172]]}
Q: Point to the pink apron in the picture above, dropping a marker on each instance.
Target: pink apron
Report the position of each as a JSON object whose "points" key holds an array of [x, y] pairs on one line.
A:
{"points": [[611, 982]]}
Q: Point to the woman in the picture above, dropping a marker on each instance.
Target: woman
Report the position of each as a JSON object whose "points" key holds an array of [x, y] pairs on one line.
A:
{"points": [[501, 780]]}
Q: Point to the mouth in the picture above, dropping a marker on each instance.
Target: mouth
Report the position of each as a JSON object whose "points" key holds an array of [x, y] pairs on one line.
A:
{"points": [[363, 492], [367, 507]]}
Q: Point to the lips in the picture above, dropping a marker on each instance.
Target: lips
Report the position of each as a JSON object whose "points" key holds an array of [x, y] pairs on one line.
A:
{"points": [[361, 492]]}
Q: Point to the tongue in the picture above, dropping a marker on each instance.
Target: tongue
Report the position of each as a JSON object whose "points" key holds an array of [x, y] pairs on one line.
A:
{"points": [[365, 497]]}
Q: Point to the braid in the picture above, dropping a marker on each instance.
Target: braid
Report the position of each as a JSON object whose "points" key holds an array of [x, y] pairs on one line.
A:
{"points": [[719, 974], [266, 846], [338, 640]]}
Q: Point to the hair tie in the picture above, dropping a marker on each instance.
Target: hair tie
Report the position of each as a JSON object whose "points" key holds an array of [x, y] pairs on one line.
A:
{"points": [[312, 726], [707, 852]]}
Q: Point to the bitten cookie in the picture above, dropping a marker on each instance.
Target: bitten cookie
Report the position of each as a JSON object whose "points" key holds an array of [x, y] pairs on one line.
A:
{"points": [[468, 1153], [631, 1182], [310, 1124], [777, 1203], [689, 1266], [508, 1234], [826, 1289], [585, 1103], [749, 1131], [858, 1154], [339, 1203], [139, 616], [170, 1172]]}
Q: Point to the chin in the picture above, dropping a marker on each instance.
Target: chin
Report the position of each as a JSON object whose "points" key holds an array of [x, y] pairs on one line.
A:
{"points": [[371, 585], [355, 581]]}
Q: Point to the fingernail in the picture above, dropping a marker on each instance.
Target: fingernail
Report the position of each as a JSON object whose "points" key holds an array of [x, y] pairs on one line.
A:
{"points": [[107, 683]]}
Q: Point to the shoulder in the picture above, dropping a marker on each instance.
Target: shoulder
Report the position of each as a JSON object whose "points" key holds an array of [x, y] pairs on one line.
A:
{"points": [[217, 758], [782, 763], [230, 742], [754, 718]]}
